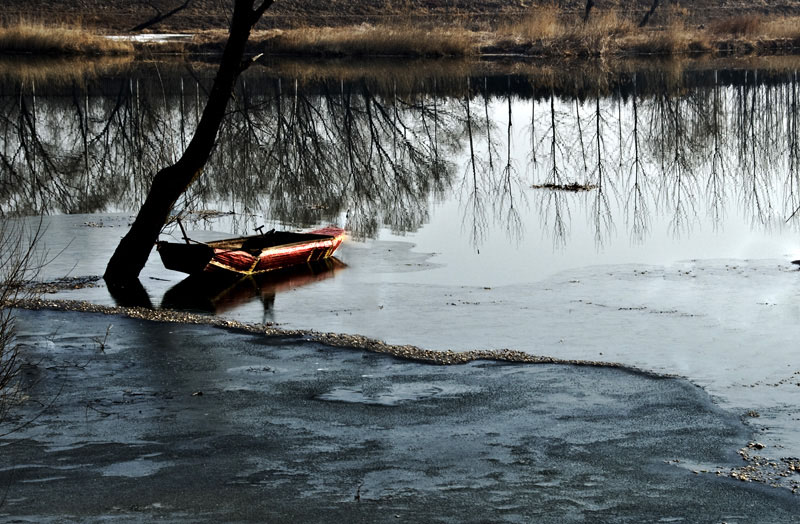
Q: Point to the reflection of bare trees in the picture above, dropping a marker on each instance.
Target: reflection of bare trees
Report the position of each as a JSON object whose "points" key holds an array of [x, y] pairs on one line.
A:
{"points": [[554, 208], [792, 180], [299, 157], [346, 150], [78, 153], [637, 208], [716, 182], [510, 185], [601, 209], [754, 138], [376, 152], [676, 150], [475, 208], [678, 188]]}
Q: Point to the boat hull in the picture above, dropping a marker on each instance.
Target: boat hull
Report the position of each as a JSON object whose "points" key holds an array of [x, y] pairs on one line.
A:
{"points": [[252, 255]]}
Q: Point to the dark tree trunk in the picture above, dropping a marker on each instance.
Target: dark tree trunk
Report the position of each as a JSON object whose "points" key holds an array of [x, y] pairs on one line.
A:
{"points": [[589, 6], [649, 13], [168, 184]]}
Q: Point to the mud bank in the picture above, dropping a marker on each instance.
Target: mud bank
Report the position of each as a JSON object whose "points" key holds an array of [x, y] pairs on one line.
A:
{"points": [[192, 423]]}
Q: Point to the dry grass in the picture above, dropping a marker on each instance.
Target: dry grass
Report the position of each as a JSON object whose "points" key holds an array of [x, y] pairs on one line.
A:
{"points": [[550, 33], [609, 33], [545, 31], [674, 39], [541, 23], [39, 38], [743, 25], [600, 35], [783, 28], [367, 40]]}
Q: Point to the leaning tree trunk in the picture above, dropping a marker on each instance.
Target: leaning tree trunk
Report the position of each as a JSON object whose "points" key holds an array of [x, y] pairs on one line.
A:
{"points": [[168, 184], [589, 6], [649, 13]]}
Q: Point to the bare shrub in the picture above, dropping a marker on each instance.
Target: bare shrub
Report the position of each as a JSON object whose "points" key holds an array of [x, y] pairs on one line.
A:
{"points": [[17, 267], [36, 37]]}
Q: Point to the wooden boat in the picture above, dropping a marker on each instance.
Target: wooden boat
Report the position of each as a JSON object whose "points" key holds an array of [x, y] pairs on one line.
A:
{"points": [[251, 255]]}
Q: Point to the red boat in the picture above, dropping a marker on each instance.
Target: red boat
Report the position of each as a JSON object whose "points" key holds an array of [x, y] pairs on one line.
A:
{"points": [[251, 255]]}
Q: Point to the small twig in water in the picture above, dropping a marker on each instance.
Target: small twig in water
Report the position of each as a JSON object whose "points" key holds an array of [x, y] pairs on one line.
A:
{"points": [[102, 343]]}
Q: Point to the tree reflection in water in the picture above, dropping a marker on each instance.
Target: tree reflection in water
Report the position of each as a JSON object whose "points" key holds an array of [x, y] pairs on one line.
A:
{"points": [[368, 148]]}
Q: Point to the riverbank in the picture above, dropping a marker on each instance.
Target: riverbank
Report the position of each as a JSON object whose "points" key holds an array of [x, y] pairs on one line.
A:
{"points": [[543, 33], [192, 423]]}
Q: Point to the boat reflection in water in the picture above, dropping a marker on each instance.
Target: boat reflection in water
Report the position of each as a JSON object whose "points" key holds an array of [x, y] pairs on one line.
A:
{"points": [[217, 293]]}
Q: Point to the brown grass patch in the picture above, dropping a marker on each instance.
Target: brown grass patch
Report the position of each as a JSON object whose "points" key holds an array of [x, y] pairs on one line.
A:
{"points": [[548, 32], [541, 23], [600, 35], [545, 31], [366, 40], [784, 28], [36, 37], [672, 40], [742, 25]]}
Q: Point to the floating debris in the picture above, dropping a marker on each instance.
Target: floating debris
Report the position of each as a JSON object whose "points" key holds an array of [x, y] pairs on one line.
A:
{"points": [[61, 284], [573, 187]]}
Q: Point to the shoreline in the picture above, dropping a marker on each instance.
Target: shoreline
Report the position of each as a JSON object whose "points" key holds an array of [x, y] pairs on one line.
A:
{"points": [[354, 341], [544, 36]]}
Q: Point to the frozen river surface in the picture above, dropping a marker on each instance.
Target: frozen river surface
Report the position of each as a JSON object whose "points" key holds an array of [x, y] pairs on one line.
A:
{"points": [[728, 325]]}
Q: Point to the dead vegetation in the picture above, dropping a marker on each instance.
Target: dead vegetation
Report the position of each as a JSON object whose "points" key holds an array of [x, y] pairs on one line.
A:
{"points": [[17, 266], [27, 37], [547, 31], [361, 40], [742, 25]]}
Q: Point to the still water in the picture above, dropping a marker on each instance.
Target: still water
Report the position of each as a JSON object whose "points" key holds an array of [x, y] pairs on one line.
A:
{"points": [[665, 165], [643, 215]]}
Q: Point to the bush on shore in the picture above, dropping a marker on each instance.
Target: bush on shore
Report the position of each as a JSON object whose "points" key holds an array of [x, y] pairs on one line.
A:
{"points": [[17, 267]]}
